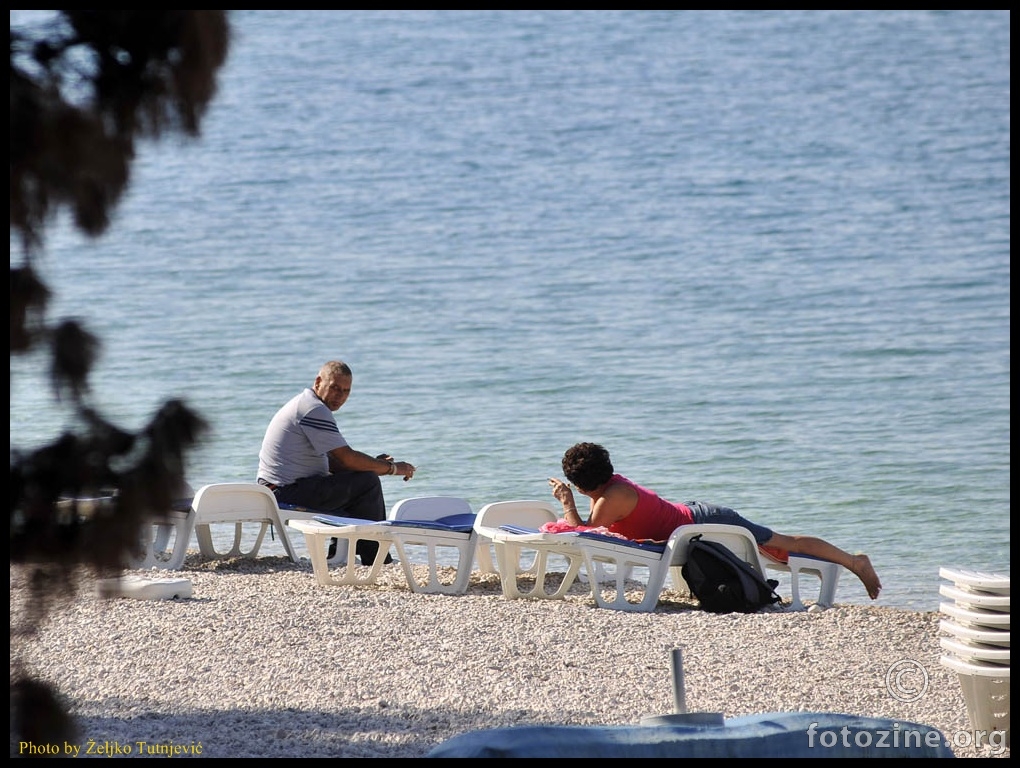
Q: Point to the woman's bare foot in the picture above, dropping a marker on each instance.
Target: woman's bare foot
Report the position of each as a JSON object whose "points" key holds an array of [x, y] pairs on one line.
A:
{"points": [[864, 571]]}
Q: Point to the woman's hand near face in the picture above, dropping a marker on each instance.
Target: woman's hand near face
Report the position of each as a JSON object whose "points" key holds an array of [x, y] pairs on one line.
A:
{"points": [[561, 491]]}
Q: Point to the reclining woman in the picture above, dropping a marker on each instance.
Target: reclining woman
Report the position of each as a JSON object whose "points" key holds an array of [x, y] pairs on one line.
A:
{"points": [[624, 507]]}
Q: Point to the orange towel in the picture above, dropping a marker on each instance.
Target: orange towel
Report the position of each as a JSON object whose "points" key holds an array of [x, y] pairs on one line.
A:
{"points": [[775, 553], [562, 526]]}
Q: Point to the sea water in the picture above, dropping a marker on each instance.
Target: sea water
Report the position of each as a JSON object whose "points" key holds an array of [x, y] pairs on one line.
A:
{"points": [[763, 257]]}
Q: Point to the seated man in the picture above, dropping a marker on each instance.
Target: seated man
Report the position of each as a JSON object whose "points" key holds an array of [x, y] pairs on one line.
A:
{"points": [[305, 461]]}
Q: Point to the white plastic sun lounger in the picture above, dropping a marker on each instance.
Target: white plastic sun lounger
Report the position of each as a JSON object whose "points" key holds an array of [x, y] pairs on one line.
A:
{"points": [[515, 545], [605, 554], [432, 522]]}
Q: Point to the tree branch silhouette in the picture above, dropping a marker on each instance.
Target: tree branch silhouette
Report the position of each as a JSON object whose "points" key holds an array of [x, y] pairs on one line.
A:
{"points": [[85, 86]]}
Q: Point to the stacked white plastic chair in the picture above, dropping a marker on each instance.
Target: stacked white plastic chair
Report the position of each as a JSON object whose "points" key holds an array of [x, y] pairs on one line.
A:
{"points": [[975, 643]]}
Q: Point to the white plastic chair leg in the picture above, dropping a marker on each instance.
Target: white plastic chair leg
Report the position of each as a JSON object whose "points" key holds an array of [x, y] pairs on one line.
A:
{"points": [[347, 570], [484, 558], [617, 566], [164, 543], [509, 556], [603, 573], [827, 572], [209, 551], [433, 542]]}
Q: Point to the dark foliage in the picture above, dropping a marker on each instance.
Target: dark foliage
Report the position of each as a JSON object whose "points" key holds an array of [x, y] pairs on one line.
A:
{"points": [[85, 86], [37, 716]]}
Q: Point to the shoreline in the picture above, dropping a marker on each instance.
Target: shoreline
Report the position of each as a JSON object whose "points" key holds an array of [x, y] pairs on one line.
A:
{"points": [[262, 661]]}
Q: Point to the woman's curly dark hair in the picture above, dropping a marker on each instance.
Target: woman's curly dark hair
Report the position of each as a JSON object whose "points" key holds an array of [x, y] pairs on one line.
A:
{"points": [[587, 466]]}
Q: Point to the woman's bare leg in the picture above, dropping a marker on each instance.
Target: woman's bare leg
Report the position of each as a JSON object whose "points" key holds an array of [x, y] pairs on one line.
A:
{"points": [[859, 564]]}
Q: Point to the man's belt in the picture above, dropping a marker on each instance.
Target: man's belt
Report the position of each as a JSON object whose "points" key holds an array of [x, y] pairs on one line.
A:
{"points": [[268, 485]]}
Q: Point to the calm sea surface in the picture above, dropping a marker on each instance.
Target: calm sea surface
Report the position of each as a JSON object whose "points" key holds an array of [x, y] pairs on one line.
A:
{"points": [[764, 257]]}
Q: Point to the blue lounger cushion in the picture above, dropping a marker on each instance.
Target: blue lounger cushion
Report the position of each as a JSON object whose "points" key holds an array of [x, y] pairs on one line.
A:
{"points": [[339, 521], [463, 523], [458, 523], [646, 545], [808, 557], [296, 508]]}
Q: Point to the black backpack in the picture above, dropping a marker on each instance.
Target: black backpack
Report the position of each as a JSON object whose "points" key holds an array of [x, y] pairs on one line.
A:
{"points": [[722, 582]]}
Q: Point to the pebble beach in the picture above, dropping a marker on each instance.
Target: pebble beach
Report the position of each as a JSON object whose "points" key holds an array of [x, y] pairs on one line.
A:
{"points": [[262, 661]]}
